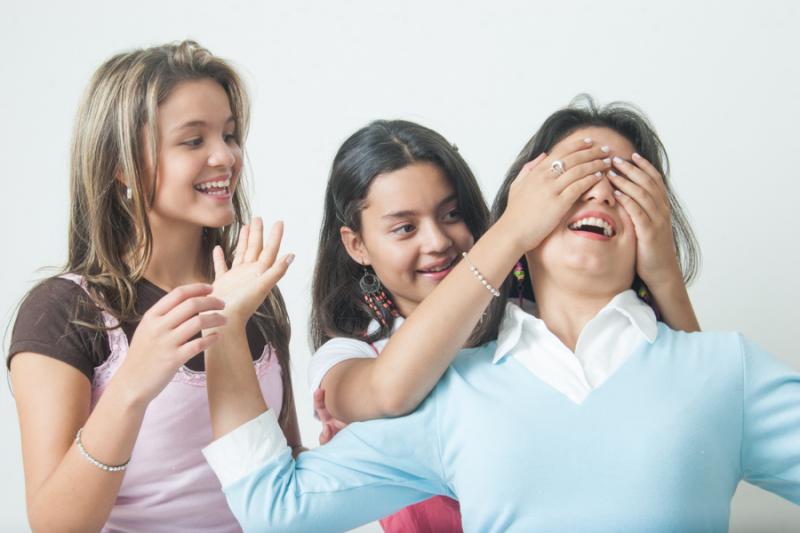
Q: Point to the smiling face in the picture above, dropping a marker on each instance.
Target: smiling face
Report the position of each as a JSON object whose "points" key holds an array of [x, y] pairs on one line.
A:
{"points": [[595, 243], [412, 232], [199, 159]]}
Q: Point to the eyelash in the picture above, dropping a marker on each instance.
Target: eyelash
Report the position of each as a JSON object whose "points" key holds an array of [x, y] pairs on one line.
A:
{"points": [[398, 229], [454, 215], [198, 141]]}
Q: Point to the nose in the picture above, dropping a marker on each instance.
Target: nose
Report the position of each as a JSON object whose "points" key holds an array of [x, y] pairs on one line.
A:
{"points": [[434, 239], [602, 192], [222, 155]]}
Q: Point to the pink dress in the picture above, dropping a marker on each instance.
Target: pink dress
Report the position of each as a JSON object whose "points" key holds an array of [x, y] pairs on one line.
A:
{"points": [[168, 486]]}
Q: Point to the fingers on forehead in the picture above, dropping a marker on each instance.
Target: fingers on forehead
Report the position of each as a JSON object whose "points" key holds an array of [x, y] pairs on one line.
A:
{"points": [[648, 167], [572, 146], [583, 156]]}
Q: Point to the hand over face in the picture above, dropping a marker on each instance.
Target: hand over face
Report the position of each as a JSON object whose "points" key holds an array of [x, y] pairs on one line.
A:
{"points": [[643, 194], [547, 188]]}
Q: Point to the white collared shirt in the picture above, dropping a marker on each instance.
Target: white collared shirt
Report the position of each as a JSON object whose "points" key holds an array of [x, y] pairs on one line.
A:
{"points": [[604, 344]]}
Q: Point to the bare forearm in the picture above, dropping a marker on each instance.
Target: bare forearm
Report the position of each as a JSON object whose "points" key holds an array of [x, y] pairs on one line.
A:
{"points": [[673, 302], [234, 395], [419, 353], [77, 495]]}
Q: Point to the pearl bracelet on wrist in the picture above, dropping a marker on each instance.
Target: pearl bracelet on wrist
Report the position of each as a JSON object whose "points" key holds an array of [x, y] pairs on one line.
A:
{"points": [[95, 462], [480, 277]]}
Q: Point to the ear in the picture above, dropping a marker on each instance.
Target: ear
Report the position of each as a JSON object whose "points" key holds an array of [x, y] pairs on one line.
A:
{"points": [[354, 246]]}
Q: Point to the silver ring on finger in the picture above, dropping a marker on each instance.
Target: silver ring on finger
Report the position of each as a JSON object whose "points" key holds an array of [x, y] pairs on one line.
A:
{"points": [[557, 167]]}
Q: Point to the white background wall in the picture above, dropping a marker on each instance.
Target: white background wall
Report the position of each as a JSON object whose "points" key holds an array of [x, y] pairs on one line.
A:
{"points": [[719, 79]]}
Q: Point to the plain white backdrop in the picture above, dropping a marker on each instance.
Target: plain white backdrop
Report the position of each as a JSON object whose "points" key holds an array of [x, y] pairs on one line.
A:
{"points": [[719, 80]]}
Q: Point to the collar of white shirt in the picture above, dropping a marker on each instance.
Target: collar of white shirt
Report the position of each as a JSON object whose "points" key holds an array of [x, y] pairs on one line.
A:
{"points": [[604, 344]]}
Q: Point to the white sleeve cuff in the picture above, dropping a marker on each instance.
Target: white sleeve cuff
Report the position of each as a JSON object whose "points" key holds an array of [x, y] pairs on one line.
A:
{"points": [[246, 448]]}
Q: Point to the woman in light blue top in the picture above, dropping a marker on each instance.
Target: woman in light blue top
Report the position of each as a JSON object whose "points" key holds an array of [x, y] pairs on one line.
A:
{"points": [[587, 414]]}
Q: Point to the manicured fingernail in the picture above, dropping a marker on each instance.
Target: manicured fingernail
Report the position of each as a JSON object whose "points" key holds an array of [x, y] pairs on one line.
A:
{"points": [[618, 160], [605, 149], [617, 192], [612, 173], [588, 140], [607, 160], [598, 174], [289, 259], [636, 156]]}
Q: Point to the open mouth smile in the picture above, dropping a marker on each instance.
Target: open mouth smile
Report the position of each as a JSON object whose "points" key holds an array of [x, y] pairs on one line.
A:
{"points": [[215, 187], [595, 225]]}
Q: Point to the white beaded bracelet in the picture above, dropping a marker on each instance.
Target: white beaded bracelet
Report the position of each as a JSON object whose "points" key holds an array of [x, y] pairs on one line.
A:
{"points": [[95, 462], [480, 277]]}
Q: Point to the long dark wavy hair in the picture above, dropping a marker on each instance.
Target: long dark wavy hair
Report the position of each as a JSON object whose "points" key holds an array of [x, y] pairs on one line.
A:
{"points": [[380, 147], [630, 122]]}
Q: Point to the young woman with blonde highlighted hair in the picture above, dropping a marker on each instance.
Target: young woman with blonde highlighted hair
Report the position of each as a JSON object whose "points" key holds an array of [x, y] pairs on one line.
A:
{"points": [[106, 358]]}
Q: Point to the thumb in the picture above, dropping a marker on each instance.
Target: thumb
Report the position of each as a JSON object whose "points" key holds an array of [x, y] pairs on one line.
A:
{"points": [[220, 267]]}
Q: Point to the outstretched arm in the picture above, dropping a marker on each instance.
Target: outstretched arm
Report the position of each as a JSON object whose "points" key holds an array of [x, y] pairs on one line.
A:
{"points": [[365, 473]]}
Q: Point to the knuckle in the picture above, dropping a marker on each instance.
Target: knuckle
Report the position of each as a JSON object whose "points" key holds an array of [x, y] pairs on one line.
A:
{"points": [[181, 291], [195, 322]]}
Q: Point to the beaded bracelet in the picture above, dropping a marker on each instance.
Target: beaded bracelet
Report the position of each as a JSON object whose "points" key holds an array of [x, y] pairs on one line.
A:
{"points": [[480, 277], [95, 462]]}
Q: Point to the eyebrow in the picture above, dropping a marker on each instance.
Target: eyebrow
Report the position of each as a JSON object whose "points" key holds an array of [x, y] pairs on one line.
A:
{"points": [[409, 213], [201, 123]]}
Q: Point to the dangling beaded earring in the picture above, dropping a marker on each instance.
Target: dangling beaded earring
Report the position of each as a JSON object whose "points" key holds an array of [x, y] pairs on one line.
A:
{"points": [[519, 273], [128, 193], [375, 297], [644, 294]]}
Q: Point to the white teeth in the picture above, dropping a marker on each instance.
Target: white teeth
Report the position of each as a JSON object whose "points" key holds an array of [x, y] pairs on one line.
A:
{"points": [[439, 269], [593, 221], [213, 185]]}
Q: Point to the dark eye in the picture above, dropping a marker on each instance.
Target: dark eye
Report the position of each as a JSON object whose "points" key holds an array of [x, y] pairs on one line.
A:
{"points": [[405, 229], [194, 143], [230, 137], [453, 215]]}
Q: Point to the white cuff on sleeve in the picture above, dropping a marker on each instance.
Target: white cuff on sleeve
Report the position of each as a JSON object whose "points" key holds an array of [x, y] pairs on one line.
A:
{"points": [[246, 448]]}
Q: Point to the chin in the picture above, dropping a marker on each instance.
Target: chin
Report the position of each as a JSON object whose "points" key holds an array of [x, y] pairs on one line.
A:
{"points": [[220, 221]]}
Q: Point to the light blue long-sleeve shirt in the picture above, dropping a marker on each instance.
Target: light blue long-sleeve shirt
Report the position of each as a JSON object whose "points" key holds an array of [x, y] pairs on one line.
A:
{"points": [[660, 446]]}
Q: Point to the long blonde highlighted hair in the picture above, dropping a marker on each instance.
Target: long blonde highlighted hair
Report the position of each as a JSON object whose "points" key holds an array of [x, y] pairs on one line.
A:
{"points": [[110, 240]]}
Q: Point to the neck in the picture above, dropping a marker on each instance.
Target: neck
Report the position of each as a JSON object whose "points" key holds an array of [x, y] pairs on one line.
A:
{"points": [[566, 308], [177, 255]]}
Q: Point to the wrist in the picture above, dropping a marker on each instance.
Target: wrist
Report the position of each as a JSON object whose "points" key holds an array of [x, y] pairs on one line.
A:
{"points": [[665, 283], [235, 317], [235, 325], [126, 398], [507, 230]]}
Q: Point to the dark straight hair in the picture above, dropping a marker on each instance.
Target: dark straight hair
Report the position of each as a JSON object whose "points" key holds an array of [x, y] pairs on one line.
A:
{"points": [[338, 309], [630, 122]]}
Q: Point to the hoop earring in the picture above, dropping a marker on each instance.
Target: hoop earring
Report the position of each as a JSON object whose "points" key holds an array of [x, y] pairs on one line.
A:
{"points": [[374, 295]]}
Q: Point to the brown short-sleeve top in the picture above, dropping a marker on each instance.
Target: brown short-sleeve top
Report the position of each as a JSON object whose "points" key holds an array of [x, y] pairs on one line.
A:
{"points": [[46, 324]]}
